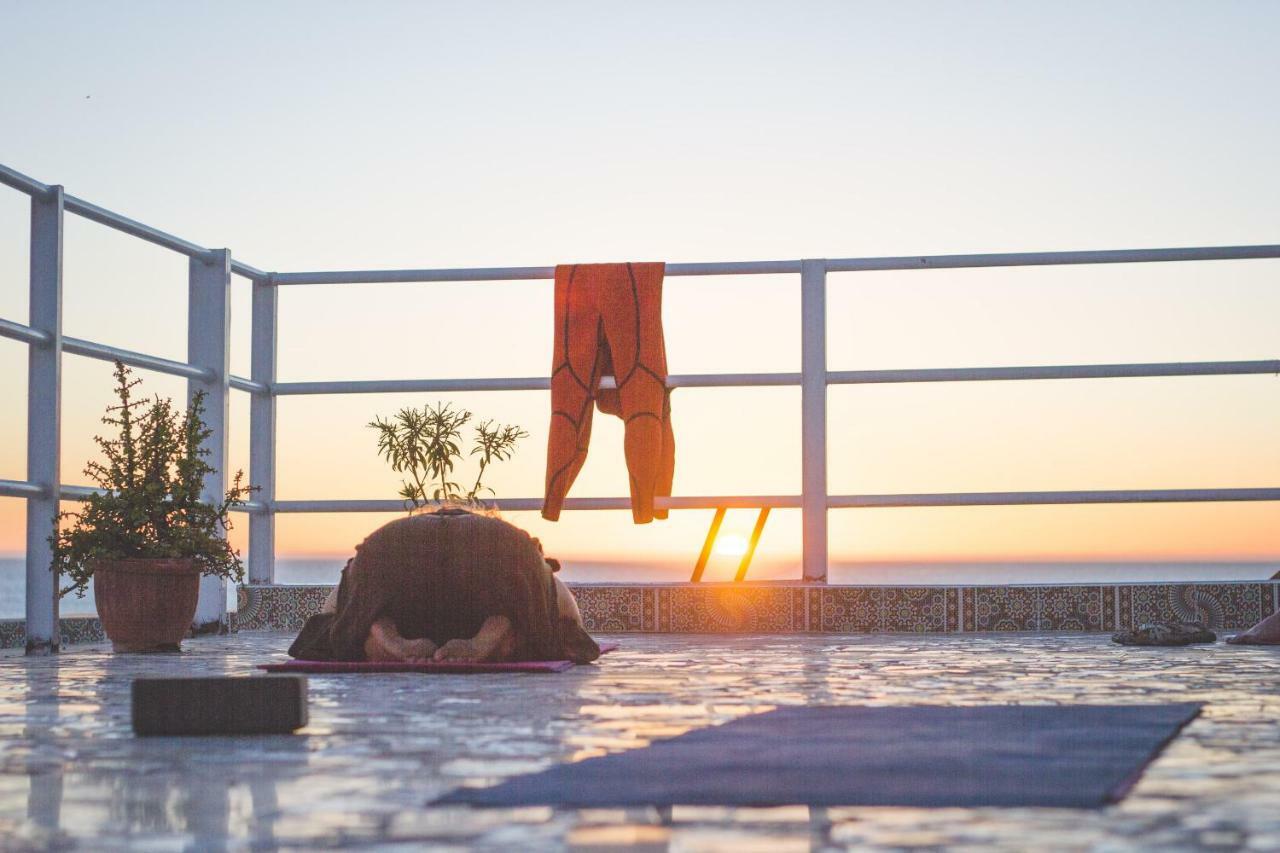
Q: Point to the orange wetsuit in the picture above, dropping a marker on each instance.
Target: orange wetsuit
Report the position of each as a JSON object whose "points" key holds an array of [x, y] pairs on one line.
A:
{"points": [[608, 319]]}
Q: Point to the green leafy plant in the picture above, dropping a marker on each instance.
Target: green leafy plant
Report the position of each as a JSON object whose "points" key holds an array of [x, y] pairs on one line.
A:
{"points": [[426, 445], [148, 503]]}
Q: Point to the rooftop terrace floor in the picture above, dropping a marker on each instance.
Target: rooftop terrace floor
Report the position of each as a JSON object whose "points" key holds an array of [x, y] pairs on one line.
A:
{"points": [[378, 748]]}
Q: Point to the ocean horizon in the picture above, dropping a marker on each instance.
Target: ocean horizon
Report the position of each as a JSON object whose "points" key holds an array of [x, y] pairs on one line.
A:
{"points": [[325, 569]]}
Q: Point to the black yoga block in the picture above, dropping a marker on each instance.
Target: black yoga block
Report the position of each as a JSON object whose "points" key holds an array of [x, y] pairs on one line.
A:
{"points": [[272, 704]]}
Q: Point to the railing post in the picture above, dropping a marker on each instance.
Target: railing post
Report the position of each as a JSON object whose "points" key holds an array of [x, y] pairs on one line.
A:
{"points": [[208, 325], [262, 433], [44, 398], [813, 419]]}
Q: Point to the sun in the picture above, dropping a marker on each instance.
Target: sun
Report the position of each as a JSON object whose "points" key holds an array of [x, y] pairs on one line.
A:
{"points": [[731, 545]]}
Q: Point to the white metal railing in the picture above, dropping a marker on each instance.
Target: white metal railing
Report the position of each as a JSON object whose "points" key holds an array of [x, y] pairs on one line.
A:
{"points": [[206, 368]]}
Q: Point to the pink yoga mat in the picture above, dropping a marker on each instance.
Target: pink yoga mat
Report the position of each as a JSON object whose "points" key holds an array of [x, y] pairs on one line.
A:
{"points": [[338, 667]]}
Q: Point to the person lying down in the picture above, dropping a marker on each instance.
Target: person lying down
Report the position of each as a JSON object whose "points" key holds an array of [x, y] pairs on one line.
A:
{"points": [[448, 585]]}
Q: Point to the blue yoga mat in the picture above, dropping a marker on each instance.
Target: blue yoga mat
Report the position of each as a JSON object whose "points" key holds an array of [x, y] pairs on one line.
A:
{"points": [[1070, 756]]}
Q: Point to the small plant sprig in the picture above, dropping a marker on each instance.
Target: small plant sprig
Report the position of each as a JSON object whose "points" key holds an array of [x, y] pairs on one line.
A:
{"points": [[151, 484], [494, 443], [426, 444]]}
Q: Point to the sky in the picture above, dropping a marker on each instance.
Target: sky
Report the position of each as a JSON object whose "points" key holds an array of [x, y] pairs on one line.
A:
{"points": [[382, 135]]}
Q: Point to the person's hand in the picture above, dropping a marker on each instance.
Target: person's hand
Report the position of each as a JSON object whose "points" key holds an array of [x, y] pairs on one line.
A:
{"points": [[386, 644], [458, 651], [380, 646], [418, 651]]}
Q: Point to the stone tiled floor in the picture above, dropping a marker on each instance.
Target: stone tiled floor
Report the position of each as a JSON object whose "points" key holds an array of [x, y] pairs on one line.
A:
{"points": [[72, 776]]}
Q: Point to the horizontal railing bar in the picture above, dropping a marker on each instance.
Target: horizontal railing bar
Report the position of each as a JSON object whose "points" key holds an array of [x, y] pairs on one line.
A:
{"points": [[242, 384], [525, 383], [516, 273], [79, 493], [21, 183], [721, 380], [1054, 371], [391, 386], [134, 359], [243, 269], [133, 228], [905, 262], [838, 377], [20, 489], [19, 332], [111, 219], [535, 504], [1027, 259], [403, 276], [1113, 496]]}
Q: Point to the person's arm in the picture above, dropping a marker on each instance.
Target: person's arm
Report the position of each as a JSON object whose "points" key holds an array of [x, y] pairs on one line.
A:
{"points": [[357, 609], [313, 642]]}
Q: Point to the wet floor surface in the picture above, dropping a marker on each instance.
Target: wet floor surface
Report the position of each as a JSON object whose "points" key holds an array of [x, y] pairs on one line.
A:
{"points": [[379, 748]]}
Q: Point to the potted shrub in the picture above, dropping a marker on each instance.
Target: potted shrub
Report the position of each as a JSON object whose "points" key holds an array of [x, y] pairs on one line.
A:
{"points": [[146, 538]]}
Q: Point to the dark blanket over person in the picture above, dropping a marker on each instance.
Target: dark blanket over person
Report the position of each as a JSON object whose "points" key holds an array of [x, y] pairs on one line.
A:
{"points": [[440, 577]]}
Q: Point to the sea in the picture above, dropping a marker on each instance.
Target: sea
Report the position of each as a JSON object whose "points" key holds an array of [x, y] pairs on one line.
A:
{"points": [[322, 570]]}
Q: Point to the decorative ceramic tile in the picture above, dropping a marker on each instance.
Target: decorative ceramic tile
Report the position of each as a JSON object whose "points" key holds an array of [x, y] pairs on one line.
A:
{"points": [[1228, 605], [1110, 608], [279, 608], [13, 633], [1124, 606], [799, 610], [725, 609], [1218, 605], [1005, 608], [850, 610], [610, 609], [1141, 603], [1070, 608], [651, 609], [74, 630], [813, 608], [81, 629], [912, 609]]}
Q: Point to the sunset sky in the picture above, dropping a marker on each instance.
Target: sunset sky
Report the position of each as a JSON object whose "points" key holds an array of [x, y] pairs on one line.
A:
{"points": [[314, 135]]}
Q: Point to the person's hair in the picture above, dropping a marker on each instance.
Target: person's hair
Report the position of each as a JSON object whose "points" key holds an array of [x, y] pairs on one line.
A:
{"points": [[455, 505]]}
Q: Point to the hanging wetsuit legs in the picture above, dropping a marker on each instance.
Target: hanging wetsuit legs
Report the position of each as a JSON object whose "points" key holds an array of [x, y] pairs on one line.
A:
{"points": [[608, 319]]}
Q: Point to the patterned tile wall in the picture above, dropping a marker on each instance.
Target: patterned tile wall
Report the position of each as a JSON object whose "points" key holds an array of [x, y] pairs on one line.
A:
{"points": [[75, 629], [793, 608], [278, 608], [790, 608]]}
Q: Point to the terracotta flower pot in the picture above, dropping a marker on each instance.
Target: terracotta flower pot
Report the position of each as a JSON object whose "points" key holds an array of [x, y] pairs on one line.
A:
{"points": [[146, 604]]}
